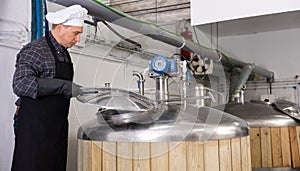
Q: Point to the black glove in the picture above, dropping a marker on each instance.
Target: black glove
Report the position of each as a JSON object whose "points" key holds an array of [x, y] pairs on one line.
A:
{"points": [[52, 86]]}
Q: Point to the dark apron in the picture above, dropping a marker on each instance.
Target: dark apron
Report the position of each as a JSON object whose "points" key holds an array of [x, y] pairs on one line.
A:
{"points": [[42, 135]]}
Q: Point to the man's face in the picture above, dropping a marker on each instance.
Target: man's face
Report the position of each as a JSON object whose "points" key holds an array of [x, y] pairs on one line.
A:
{"points": [[69, 35]]}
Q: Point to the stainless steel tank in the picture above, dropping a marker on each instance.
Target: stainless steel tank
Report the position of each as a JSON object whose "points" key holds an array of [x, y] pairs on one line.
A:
{"points": [[179, 136], [260, 114], [275, 142]]}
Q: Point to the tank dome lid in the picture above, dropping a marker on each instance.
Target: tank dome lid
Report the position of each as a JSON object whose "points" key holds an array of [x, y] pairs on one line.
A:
{"points": [[260, 114], [177, 122]]}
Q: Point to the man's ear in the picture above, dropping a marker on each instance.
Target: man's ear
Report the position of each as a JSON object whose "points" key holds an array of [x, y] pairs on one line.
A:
{"points": [[59, 27]]}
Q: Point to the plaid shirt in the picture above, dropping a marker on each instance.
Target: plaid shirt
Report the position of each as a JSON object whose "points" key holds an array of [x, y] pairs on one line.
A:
{"points": [[35, 60]]}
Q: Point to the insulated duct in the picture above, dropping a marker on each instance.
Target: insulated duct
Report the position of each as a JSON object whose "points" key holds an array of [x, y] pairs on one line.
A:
{"points": [[230, 62], [106, 13], [238, 81]]}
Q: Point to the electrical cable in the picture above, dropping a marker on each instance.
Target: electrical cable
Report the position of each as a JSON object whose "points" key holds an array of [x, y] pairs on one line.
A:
{"points": [[96, 20], [121, 36], [183, 44]]}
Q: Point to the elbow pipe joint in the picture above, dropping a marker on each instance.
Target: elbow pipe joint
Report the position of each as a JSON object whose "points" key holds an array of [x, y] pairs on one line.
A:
{"points": [[139, 75], [245, 73], [140, 81]]}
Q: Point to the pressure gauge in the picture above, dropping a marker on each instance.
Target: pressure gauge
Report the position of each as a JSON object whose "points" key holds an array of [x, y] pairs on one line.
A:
{"points": [[159, 64]]}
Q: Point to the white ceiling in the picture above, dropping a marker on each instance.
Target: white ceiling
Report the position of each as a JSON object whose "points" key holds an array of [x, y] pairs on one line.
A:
{"points": [[252, 25]]}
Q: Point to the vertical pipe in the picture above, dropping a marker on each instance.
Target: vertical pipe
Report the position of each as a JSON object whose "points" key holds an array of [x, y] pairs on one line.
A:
{"points": [[44, 18], [162, 92], [33, 20], [38, 18], [199, 92]]}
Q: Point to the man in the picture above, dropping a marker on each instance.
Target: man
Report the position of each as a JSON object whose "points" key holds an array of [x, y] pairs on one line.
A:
{"points": [[43, 81]]}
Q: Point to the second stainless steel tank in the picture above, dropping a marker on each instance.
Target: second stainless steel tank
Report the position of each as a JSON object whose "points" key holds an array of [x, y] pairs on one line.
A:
{"points": [[274, 135]]}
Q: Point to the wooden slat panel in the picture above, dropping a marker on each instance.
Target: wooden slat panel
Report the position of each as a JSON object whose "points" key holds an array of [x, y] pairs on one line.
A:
{"points": [[159, 153], [79, 154], [109, 157], [285, 147], [294, 147], [84, 155], [141, 156], [266, 149], [255, 140], [276, 147], [298, 138], [245, 153], [124, 156], [225, 155], [195, 155], [177, 156], [211, 156], [96, 155], [236, 154], [249, 153]]}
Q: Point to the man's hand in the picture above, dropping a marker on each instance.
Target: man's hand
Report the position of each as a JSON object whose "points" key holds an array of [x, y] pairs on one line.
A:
{"points": [[52, 86]]}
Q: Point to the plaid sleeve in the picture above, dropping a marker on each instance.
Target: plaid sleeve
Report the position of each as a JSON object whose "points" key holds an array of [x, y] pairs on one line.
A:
{"points": [[28, 67]]}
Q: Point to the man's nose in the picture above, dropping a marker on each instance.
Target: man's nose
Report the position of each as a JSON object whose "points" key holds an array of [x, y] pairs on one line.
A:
{"points": [[77, 38]]}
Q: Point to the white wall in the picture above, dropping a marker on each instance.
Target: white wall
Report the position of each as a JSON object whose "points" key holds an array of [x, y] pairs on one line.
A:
{"points": [[18, 11], [277, 51], [19, 17], [7, 99]]}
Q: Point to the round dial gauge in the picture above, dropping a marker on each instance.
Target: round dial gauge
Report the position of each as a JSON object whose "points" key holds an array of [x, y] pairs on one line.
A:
{"points": [[160, 64]]}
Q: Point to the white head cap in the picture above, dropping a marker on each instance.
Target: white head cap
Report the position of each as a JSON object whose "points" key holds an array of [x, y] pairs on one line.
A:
{"points": [[71, 16]]}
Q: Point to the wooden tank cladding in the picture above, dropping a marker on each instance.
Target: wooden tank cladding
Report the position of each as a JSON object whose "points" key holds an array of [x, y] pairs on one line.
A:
{"points": [[213, 155], [275, 147]]}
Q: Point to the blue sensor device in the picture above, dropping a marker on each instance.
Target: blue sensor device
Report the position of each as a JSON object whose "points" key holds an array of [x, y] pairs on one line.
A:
{"points": [[160, 64]]}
